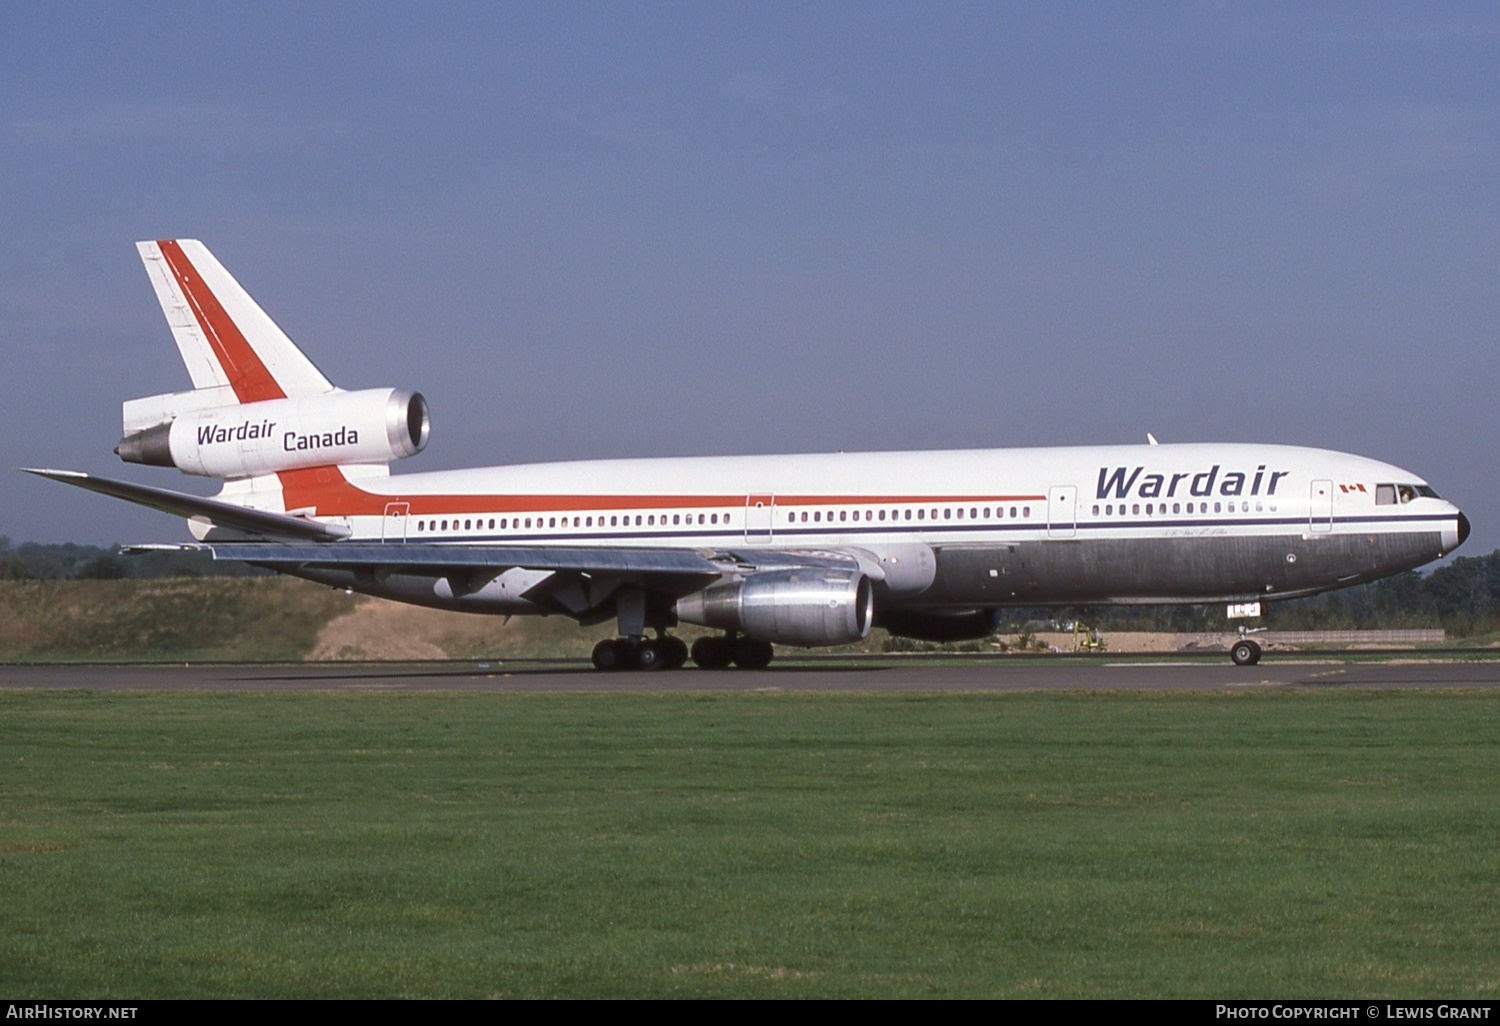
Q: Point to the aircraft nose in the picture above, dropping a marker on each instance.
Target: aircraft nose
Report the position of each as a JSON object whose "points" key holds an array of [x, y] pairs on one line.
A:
{"points": [[1463, 528]]}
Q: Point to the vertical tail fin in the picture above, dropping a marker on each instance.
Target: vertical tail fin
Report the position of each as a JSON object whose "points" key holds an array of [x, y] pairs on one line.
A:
{"points": [[226, 339]]}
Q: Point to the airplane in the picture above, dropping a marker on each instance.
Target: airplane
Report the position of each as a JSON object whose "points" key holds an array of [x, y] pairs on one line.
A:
{"points": [[798, 550]]}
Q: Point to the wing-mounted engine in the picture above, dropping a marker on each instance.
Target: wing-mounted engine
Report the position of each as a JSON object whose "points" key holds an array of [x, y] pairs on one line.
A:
{"points": [[806, 606], [208, 432]]}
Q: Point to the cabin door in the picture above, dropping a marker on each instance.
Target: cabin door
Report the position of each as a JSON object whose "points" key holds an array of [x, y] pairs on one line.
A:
{"points": [[1062, 511], [760, 512], [1321, 518], [393, 524]]}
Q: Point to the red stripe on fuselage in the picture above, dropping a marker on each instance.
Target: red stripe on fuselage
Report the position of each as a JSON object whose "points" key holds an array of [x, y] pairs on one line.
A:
{"points": [[326, 491], [247, 374]]}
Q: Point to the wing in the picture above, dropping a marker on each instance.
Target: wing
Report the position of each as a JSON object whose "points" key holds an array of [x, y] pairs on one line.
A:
{"points": [[577, 580]]}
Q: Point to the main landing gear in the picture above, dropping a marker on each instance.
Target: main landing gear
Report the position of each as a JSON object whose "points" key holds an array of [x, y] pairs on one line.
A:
{"points": [[632, 650], [662, 653], [746, 653], [668, 653]]}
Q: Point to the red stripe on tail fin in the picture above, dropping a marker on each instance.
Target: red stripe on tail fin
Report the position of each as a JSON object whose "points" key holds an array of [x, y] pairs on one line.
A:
{"points": [[247, 373]]}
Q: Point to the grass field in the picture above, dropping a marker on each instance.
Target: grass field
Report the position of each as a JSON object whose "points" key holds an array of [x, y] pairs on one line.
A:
{"points": [[376, 844]]}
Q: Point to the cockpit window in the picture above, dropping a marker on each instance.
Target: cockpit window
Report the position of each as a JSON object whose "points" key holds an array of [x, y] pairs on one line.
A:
{"points": [[1391, 494]]}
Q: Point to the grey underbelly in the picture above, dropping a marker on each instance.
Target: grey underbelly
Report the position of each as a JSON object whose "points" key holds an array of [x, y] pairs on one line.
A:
{"points": [[1190, 569]]}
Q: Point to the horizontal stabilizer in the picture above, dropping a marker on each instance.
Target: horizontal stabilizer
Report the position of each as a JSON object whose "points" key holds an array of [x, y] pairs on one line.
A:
{"points": [[224, 514]]}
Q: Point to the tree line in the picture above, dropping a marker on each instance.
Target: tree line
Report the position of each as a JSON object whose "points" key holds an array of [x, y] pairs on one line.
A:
{"points": [[31, 561]]}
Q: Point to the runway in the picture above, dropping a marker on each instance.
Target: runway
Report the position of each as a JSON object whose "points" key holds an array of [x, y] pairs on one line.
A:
{"points": [[826, 675]]}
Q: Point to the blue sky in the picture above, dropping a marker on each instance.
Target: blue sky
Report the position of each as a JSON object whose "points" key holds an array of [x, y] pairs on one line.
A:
{"points": [[590, 230]]}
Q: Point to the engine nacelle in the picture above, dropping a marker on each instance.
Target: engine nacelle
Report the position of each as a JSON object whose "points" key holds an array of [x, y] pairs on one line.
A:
{"points": [[791, 607], [375, 425]]}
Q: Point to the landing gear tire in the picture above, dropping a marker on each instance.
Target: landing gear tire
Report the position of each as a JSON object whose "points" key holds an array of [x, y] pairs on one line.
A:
{"points": [[676, 652], [648, 655], [1245, 653], [713, 653], [610, 654], [750, 654]]}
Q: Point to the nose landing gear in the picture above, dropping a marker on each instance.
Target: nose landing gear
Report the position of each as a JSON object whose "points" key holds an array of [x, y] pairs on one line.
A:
{"points": [[1245, 653]]}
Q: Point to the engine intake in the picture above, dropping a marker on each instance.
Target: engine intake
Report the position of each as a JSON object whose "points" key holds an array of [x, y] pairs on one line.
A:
{"points": [[341, 428], [789, 607]]}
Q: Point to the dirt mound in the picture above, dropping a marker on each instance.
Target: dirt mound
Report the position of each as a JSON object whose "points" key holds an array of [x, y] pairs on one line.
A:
{"points": [[376, 629]]}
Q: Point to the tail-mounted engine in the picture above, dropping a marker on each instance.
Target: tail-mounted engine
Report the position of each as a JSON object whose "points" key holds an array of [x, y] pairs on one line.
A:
{"points": [[206, 432], [790, 607]]}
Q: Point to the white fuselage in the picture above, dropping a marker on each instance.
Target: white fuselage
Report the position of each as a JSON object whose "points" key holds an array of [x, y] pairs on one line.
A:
{"points": [[944, 497]]}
